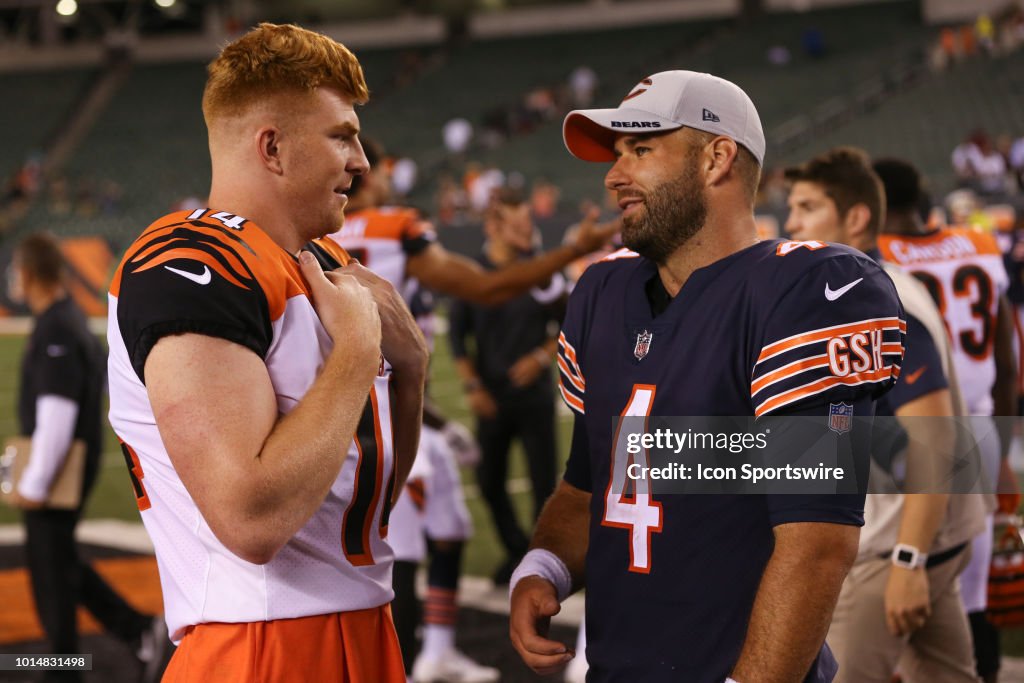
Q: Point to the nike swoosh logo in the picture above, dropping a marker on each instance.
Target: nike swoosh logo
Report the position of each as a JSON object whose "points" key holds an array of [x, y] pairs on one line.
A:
{"points": [[833, 294], [916, 375], [202, 278]]}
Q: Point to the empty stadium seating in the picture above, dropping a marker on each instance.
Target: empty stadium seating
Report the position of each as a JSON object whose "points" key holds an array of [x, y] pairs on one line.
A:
{"points": [[35, 103], [925, 124], [151, 138]]}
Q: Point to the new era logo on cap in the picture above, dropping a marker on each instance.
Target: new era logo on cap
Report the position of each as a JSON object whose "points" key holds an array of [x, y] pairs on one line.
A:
{"points": [[665, 102]]}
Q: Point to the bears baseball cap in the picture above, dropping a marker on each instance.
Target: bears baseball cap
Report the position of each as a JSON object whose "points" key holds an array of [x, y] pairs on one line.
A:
{"points": [[664, 102]]}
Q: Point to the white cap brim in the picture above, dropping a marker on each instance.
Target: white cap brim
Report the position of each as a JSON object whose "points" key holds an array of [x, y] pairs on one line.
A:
{"points": [[589, 134]]}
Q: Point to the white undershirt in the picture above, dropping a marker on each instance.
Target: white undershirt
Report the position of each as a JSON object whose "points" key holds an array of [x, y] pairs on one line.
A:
{"points": [[51, 440]]}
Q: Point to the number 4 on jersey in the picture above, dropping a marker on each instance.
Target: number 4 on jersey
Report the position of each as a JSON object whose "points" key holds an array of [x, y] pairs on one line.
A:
{"points": [[786, 247], [636, 512]]}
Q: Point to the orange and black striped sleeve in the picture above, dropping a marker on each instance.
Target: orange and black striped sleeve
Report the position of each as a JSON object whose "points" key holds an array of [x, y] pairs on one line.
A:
{"points": [[190, 276]]}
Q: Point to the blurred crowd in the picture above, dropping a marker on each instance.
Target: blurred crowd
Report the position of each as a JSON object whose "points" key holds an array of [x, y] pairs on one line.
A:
{"points": [[990, 167], [83, 196], [988, 36]]}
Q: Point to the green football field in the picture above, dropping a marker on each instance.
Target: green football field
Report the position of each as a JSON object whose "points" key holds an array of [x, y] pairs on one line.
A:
{"points": [[113, 497]]}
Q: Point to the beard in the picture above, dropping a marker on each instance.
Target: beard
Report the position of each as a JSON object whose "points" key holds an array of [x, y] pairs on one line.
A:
{"points": [[673, 213]]}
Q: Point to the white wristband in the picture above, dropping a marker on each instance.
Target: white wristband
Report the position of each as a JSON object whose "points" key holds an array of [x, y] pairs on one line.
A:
{"points": [[547, 566], [731, 680]]}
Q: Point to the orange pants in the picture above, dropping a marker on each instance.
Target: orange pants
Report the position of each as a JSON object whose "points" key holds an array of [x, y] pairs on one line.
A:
{"points": [[345, 647]]}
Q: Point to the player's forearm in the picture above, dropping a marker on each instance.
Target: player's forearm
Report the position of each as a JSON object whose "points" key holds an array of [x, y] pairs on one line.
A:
{"points": [[408, 419], [303, 454], [795, 600], [922, 516], [498, 286], [931, 457], [564, 529], [929, 461]]}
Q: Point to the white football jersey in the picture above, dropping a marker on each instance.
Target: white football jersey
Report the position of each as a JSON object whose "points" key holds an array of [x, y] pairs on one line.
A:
{"points": [[383, 239], [964, 272], [217, 274]]}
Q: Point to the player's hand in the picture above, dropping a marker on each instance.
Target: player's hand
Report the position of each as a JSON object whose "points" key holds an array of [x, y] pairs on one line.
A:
{"points": [[22, 503], [402, 341], [534, 602], [1007, 490], [590, 236], [346, 308], [463, 444], [482, 403], [525, 371], [907, 605]]}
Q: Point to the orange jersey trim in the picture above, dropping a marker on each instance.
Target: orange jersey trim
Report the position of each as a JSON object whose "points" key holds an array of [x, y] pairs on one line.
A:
{"points": [[824, 333], [794, 368], [390, 223], [983, 243], [253, 255], [570, 353], [574, 403], [820, 385], [620, 254]]}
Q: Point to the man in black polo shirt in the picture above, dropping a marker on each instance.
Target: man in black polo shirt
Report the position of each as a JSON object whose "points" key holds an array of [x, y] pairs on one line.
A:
{"points": [[506, 379], [63, 375]]}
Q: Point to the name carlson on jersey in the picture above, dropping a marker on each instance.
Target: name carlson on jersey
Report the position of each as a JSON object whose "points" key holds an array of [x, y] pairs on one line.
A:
{"points": [[636, 124], [952, 247]]}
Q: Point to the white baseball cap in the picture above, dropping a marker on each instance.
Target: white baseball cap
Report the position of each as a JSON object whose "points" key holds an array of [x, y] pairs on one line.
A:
{"points": [[663, 102]]}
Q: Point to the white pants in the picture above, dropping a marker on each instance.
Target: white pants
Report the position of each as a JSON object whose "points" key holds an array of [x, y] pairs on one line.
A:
{"points": [[974, 580], [432, 504]]}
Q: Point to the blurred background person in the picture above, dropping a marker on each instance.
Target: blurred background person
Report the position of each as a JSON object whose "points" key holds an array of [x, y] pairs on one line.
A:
{"points": [[63, 378], [397, 244], [963, 270], [900, 604], [505, 374]]}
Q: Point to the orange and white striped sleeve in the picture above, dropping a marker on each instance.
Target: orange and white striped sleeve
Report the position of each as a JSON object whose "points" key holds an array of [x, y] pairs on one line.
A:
{"points": [[838, 333]]}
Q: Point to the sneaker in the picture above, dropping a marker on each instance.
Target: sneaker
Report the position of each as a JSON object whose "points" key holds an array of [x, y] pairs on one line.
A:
{"points": [[451, 667], [155, 650]]}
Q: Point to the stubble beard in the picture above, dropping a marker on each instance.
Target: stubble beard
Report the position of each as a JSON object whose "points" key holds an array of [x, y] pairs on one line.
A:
{"points": [[673, 213]]}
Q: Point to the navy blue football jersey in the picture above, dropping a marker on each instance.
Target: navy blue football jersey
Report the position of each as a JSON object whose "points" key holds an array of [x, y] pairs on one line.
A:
{"points": [[780, 328]]}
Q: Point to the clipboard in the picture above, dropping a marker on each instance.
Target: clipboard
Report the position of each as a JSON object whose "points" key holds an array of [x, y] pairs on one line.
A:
{"points": [[66, 492]]}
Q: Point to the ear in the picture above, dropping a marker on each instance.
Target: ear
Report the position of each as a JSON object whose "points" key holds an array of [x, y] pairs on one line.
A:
{"points": [[855, 223], [268, 147], [720, 156]]}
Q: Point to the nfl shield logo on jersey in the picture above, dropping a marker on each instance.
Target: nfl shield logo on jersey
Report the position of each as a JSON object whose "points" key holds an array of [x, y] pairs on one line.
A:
{"points": [[643, 344], [840, 417]]}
